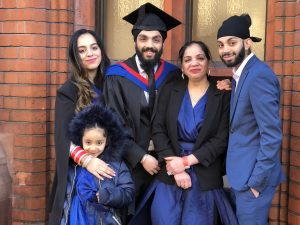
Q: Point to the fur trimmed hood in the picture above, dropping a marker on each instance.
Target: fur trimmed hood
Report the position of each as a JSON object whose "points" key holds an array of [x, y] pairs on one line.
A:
{"points": [[106, 118]]}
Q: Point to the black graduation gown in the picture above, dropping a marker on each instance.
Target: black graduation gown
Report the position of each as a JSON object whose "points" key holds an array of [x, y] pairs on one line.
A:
{"points": [[128, 99], [64, 111]]}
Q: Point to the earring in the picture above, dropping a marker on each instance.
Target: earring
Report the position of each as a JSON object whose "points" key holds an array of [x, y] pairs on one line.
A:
{"points": [[182, 75]]}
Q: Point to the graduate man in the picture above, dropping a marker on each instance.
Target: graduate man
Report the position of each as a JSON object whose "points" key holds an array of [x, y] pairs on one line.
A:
{"points": [[132, 88]]}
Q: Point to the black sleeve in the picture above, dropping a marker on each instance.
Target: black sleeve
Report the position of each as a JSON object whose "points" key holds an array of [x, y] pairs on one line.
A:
{"points": [[160, 136], [114, 98], [64, 112]]}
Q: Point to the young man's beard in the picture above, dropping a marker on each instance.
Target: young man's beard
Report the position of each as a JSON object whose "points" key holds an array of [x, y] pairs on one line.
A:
{"points": [[148, 64], [238, 60]]}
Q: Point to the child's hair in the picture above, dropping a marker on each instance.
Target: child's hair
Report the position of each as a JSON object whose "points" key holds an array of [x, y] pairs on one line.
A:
{"points": [[97, 115]]}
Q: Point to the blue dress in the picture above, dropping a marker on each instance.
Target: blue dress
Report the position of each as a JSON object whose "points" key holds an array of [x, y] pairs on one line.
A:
{"points": [[174, 205]]}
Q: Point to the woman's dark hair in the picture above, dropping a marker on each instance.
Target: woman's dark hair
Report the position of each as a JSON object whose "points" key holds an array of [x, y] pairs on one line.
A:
{"points": [[79, 73], [201, 44]]}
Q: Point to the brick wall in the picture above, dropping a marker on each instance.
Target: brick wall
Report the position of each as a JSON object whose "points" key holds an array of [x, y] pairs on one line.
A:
{"points": [[33, 40], [282, 53]]}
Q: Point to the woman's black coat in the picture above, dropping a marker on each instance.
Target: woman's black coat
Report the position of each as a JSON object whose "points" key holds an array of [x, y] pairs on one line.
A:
{"points": [[211, 144]]}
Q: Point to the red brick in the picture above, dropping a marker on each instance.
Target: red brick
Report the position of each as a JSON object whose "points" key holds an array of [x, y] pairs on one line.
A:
{"points": [[24, 103], [36, 27], [64, 4], [279, 24], [295, 128], [61, 16], [295, 159], [35, 203], [58, 53], [296, 37], [23, 14], [278, 51], [23, 153], [4, 115], [52, 116], [23, 40], [34, 53], [294, 189], [290, 8], [30, 166], [294, 205], [296, 99], [297, 21], [285, 157], [277, 67], [296, 83], [296, 68], [25, 77], [61, 28], [13, 27], [27, 90], [23, 65], [29, 215], [288, 67], [8, 4], [295, 143], [58, 78], [278, 40], [31, 178], [295, 114], [289, 39], [288, 53], [293, 219], [32, 141], [286, 126], [30, 191], [289, 24], [28, 116], [58, 65], [18, 202], [286, 98], [23, 128], [1, 101], [279, 9], [285, 142], [58, 41], [297, 53], [1, 76], [286, 83], [44, 4], [286, 113], [9, 52]]}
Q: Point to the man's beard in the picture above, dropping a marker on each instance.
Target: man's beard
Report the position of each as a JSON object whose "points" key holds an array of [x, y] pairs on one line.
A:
{"points": [[238, 60], [148, 64]]}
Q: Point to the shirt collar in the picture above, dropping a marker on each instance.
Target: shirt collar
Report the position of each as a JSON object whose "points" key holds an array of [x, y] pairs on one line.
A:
{"points": [[237, 73]]}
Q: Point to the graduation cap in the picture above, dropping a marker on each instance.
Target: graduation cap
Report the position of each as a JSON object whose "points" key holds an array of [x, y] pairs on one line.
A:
{"points": [[149, 17], [237, 26]]}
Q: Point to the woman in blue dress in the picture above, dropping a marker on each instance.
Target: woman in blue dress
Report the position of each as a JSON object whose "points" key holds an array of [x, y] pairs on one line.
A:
{"points": [[190, 135]]}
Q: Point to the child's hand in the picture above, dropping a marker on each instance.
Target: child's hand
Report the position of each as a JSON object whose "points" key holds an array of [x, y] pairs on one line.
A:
{"points": [[100, 169]]}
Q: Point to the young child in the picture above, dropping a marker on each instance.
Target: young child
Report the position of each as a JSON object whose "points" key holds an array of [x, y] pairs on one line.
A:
{"points": [[91, 201]]}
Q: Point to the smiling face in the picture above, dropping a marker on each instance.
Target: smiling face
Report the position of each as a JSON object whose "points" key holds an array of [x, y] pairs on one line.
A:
{"points": [[194, 62], [94, 140], [89, 52], [233, 50], [148, 46]]}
